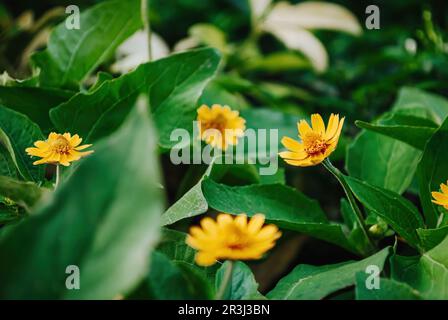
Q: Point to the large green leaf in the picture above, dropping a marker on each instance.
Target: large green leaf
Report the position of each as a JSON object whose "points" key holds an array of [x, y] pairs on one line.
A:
{"points": [[382, 161], [432, 171], [34, 102], [8, 164], [432, 237], [412, 130], [307, 282], [18, 132], [389, 290], [104, 219], [417, 102], [387, 162], [72, 54], [397, 211], [174, 85], [282, 205], [427, 274], [242, 285]]}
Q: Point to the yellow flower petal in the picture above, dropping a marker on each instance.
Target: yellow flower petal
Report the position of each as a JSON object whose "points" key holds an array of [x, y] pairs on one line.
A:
{"points": [[58, 149], [317, 143], [233, 238], [318, 123]]}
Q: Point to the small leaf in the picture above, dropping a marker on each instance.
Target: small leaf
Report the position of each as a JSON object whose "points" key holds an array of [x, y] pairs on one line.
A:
{"points": [[242, 286], [173, 280]]}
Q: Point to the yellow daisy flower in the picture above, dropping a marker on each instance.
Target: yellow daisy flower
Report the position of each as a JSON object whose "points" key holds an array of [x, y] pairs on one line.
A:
{"points": [[59, 149], [232, 238], [441, 198], [220, 126], [317, 142]]}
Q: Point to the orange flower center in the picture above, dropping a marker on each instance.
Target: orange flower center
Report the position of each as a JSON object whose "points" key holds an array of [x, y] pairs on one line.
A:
{"points": [[218, 123], [314, 143], [61, 145], [237, 239]]}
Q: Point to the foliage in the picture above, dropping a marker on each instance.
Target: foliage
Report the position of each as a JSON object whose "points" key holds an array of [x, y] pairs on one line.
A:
{"points": [[122, 214]]}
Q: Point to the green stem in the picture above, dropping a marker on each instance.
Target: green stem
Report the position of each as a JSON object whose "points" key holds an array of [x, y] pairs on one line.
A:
{"points": [[58, 173], [359, 216], [225, 281], [147, 25]]}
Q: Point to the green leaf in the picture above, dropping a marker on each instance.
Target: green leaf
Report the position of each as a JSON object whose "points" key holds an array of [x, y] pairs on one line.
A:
{"points": [[281, 205], [8, 163], [72, 54], [193, 202], [242, 285], [432, 237], [307, 282], [432, 171], [409, 129], [34, 102], [389, 290], [174, 85], [420, 103], [397, 211], [17, 133], [26, 194], [263, 118], [169, 280], [7, 216], [382, 161], [173, 245], [427, 274], [104, 219]]}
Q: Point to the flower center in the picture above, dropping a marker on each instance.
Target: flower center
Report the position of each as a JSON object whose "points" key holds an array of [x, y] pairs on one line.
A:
{"points": [[314, 143], [237, 239], [61, 145], [218, 123]]}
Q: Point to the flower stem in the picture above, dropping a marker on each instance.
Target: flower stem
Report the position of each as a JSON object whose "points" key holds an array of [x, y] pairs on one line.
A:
{"points": [[358, 214], [225, 281], [147, 25], [58, 173]]}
